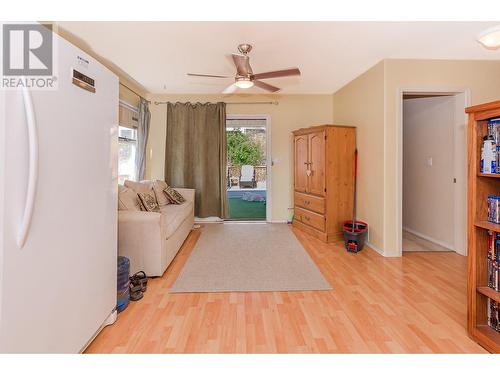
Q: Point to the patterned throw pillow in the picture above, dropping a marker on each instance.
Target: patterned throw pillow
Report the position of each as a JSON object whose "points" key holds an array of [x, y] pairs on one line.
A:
{"points": [[173, 195], [148, 201], [161, 198]]}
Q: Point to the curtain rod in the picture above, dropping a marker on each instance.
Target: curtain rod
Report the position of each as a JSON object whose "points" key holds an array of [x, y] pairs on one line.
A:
{"points": [[270, 103], [140, 96]]}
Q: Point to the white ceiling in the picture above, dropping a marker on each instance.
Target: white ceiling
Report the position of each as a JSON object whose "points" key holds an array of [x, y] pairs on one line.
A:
{"points": [[329, 54]]}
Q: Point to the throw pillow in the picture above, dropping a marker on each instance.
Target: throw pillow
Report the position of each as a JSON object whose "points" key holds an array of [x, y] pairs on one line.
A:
{"points": [[173, 195], [127, 199], [161, 198], [149, 202]]}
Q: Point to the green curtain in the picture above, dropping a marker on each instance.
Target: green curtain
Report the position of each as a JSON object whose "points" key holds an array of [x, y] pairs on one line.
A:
{"points": [[195, 154]]}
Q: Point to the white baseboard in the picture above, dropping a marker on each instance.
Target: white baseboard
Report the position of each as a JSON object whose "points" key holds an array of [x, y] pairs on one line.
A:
{"points": [[211, 219], [429, 238], [377, 249], [239, 222], [255, 222], [216, 220]]}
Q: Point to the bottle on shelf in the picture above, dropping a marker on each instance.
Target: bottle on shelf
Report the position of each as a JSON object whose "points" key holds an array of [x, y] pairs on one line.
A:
{"points": [[489, 155]]}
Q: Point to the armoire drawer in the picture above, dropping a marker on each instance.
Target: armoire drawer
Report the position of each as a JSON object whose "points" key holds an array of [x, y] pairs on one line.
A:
{"points": [[310, 218], [310, 202]]}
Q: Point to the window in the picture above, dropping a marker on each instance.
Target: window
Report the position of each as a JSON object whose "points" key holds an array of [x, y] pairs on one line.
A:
{"points": [[127, 149]]}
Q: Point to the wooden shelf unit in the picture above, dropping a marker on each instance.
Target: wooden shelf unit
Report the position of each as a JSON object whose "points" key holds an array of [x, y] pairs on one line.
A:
{"points": [[487, 225], [490, 175], [488, 292], [480, 185]]}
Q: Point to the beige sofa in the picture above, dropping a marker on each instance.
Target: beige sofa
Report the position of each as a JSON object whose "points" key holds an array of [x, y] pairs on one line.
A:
{"points": [[152, 239]]}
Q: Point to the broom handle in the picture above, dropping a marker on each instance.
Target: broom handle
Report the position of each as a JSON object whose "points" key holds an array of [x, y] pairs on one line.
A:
{"points": [[355, 178]]}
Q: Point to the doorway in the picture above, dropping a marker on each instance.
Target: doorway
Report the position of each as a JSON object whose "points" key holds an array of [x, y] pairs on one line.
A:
{"points": [[432, 171], [248, 166]]}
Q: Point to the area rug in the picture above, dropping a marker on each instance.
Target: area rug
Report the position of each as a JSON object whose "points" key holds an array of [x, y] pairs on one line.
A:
{"points": [[247, 258]]}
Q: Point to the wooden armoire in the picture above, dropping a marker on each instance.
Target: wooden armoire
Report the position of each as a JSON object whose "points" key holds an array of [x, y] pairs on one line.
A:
{"points": [[323, 179]]}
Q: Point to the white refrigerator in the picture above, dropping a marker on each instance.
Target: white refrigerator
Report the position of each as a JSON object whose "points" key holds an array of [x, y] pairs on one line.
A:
{"points": [[58, 207]]}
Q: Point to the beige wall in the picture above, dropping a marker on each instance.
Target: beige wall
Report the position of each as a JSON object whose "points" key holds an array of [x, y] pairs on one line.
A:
{"points": [[361, 104], [293, 112], [428, 189], [482, 78]]}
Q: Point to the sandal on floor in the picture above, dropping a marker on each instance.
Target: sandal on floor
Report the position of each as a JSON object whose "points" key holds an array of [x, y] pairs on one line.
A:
{"points": [[141, 275], [140, 278], [135, 292]]}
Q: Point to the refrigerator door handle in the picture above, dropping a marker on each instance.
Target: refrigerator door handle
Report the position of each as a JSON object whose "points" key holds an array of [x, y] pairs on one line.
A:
{"points": [[33, 167]]}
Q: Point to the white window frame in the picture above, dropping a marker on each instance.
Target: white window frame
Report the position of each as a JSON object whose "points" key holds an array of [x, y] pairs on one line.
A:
{"points": [[129, 107]]}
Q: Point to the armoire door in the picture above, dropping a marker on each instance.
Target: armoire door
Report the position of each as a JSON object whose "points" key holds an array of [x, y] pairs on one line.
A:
{"points": [[300, 145], [316, 178]]}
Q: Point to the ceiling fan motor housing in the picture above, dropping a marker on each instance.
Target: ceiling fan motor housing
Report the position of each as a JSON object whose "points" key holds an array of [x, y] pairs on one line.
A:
{"points": [[244, 48]]}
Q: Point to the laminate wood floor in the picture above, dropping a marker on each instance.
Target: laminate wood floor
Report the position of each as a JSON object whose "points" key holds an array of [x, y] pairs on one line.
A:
{"points": [[413, 304], [412, 242]]}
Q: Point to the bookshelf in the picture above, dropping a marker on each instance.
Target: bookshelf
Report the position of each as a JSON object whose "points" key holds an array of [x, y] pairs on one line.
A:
{"points": [[480, 185]]}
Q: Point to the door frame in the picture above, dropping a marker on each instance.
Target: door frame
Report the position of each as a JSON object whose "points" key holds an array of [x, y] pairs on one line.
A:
{"points": [[269, 161], [460, 189]]}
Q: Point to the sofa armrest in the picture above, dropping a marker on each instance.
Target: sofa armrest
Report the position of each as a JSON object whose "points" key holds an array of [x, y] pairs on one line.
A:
{"points": [[140, 238], [188, 194], [138, 226], [137, 217]]}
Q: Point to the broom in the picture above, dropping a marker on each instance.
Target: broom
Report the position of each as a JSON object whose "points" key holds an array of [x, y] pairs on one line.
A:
{"points": [[355, 178]]}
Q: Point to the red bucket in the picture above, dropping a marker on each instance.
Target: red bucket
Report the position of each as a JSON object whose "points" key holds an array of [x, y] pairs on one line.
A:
{"points": [[355, 240]]}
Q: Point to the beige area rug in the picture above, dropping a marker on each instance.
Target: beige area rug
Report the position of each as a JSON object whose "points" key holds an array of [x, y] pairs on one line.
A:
{"points": [[246, 258]]}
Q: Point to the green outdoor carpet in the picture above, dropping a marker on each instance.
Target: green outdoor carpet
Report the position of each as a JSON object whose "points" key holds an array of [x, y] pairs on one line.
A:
{"points": [[245, 210]]}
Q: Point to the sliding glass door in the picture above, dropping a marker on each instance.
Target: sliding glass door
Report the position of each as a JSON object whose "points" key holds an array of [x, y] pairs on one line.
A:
{"points": [[247, 168]]}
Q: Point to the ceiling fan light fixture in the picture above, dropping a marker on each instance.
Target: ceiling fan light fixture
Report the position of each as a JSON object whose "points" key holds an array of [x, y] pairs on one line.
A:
{"points": [[490, 38], [243, 82]]}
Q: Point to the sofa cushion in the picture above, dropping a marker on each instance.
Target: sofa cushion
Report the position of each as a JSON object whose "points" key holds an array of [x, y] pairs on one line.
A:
{"points": [[149, 202], [128, 199], [138, 187], [174, 215]]}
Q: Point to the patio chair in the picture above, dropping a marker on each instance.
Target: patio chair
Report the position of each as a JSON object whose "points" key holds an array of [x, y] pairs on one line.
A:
{"points": [[247, 177]]}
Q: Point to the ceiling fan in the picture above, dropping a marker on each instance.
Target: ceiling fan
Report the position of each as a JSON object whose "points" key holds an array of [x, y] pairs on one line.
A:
{"points": [[245, 78]]}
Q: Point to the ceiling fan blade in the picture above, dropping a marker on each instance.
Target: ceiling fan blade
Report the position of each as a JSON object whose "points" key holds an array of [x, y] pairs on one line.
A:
{"points": [[266, 86], [230, 89], [206, 75], [277, 73], [242, 63]]}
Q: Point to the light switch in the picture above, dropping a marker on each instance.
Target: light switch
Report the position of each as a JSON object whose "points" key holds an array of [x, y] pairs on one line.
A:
{"points": [[429, 162]]}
